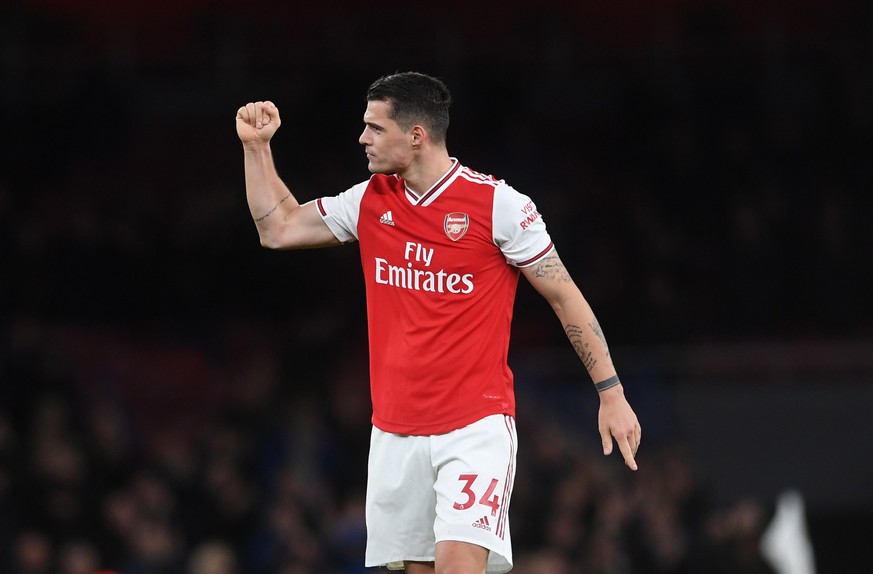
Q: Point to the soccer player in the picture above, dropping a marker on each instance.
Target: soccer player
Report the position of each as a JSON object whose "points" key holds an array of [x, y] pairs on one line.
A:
{"points": [[442, 247]]}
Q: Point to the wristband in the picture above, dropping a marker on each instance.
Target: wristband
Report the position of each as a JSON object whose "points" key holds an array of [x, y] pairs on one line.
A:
{"points": [[607, 384]]}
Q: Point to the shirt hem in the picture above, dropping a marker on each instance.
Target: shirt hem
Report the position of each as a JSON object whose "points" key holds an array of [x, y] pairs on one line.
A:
{"points": [[439, 428]]}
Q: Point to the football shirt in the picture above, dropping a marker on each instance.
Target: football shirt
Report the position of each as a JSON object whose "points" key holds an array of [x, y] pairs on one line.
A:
{"points": [[441, 272]]}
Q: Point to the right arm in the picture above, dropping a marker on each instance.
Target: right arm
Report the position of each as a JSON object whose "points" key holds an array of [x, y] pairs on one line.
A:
{"points": [[281, 221]]}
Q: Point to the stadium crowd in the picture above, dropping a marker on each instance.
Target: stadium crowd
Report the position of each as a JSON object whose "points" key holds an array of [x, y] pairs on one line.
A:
{"points": [[180, 458]]}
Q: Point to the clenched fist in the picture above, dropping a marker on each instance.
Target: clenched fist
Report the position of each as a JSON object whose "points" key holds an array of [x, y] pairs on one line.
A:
{"points": [[256, 122]]}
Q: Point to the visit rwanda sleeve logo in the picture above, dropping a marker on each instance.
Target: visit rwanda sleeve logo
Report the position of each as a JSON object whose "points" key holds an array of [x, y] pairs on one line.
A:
{"points": [[456, 225]]}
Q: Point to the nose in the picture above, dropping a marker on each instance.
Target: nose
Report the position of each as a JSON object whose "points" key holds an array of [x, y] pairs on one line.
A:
{"points": [[363, 139]]}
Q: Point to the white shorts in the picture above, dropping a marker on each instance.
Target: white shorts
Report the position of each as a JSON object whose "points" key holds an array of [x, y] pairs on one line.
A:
{"points": [[453, 486]]}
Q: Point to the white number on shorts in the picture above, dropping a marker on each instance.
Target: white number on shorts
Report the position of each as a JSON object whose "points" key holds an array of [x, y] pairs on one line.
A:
{"points": [[488, 499]]}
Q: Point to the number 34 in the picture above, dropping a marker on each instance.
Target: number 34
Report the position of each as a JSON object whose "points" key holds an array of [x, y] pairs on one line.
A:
{"points": [[488, 499]]}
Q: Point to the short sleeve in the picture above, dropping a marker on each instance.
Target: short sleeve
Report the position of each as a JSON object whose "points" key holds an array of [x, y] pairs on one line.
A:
{"points": [[519, 229], [340, 212]]}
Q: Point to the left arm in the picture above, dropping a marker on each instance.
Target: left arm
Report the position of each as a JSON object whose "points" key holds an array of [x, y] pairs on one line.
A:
{"points": [[616, 417]]}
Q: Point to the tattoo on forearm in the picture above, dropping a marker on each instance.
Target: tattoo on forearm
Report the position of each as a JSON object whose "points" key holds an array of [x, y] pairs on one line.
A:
{"points": [[575, 334], [595, 326], [551, 267], [275, 207]]}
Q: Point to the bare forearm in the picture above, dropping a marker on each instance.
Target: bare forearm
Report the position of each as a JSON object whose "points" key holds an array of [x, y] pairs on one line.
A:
{"points": [[585, 334], [268, 197], [616, 418], [552, 280], [281, 221]]}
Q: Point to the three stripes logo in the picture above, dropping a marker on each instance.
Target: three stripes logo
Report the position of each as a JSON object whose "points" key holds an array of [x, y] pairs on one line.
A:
{"points": [[483, 524], [387, 218]]}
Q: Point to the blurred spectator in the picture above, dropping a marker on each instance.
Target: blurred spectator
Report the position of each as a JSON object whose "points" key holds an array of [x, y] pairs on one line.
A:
{"points": [[78, 557], [33, 554], [212, 558], [733, 537]]}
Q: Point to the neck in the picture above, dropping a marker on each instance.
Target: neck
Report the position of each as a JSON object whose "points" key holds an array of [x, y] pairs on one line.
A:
{"points": [[422, 174]]}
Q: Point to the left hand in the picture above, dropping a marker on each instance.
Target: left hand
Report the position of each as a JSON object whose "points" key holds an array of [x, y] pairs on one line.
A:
{"points": [[617, 419]]}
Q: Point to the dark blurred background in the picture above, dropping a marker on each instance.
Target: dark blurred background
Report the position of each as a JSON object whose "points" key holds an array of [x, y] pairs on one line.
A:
{"points": [[174, 398]]}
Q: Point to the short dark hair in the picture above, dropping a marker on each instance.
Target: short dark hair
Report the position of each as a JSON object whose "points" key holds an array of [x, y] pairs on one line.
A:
{"points": [[415, 98]]}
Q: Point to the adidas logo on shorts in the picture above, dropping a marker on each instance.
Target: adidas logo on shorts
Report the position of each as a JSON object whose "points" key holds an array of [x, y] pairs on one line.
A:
{"points": [[482, 523]]}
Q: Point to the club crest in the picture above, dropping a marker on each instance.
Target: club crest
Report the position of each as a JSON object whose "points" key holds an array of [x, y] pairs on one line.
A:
{"points": [[456, 225]]}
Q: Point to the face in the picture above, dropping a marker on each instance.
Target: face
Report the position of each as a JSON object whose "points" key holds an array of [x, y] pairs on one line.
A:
{"points": [[388, 147]]}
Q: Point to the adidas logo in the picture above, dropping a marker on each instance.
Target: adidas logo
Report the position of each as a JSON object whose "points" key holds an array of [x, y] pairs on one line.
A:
{"points": [[482, 523], [386, 219]]}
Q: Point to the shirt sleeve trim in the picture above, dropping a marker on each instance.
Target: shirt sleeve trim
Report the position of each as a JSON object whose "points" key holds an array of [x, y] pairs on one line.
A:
{"points": [[537, 257]]}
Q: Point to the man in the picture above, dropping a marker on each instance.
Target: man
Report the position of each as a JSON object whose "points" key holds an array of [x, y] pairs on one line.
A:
{"points": [[442, 247]]}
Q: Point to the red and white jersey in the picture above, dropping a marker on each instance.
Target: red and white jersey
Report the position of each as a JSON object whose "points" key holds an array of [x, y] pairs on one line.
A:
{"points": [[441, 271]]}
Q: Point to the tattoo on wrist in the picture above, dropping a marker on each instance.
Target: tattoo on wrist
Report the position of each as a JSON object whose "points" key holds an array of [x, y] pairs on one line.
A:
{"points": [[607, 384], [574, 333], [275, 207]]}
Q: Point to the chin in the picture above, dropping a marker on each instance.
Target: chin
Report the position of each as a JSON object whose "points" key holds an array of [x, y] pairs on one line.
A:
{"points": [[380, 170]]}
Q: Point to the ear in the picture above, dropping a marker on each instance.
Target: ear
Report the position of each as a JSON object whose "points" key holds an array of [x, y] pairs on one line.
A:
{"points": [[418, 135]]}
